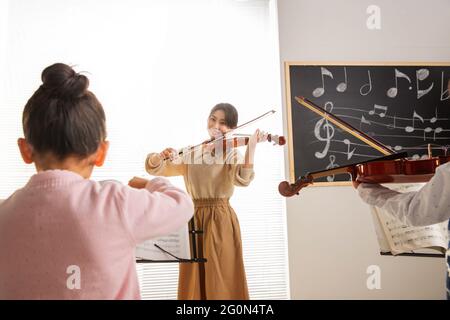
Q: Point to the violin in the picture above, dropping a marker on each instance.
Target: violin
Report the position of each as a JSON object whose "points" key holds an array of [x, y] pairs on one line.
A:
{"points": [[227, 143], [392, 168]]}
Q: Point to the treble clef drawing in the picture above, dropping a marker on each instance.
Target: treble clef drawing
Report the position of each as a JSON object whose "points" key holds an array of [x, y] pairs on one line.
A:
{"points": [[331, 165], [324, 126]]}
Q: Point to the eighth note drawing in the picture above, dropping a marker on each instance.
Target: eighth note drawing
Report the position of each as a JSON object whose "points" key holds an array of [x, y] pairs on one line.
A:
{"points": [[415, 116], [349, 153], [435, 118], [421, 75], [376, 108], [321, 90], [392, 92]]}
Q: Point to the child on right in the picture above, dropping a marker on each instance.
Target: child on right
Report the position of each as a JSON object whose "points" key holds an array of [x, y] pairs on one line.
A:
{"points": [[428, 206]]}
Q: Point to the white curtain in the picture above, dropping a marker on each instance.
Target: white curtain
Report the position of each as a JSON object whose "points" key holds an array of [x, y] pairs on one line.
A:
{"points": [[158, 67]]}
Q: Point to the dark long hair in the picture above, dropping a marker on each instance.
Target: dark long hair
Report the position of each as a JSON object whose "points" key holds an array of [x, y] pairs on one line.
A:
{"points": [[231, 114], [63, 117]]}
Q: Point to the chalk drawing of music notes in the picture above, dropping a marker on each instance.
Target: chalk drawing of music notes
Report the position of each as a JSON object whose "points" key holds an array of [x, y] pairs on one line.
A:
{"points": [[437, 130], [421, 75], [321, 90], [445, 94], [392, 92], [363, 120], [378, 110], [435, 118], [415, 116], [349, 153], [427, 130], [392, 125], [324, 125], [341, 87], [331, 165], [366, 88]]}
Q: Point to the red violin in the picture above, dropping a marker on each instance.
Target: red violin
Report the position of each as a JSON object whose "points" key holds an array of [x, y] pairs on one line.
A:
{"points": [[232, 142], [392, 168]]}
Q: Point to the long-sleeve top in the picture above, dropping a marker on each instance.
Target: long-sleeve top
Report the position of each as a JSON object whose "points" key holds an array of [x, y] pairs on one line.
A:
{"points": [[66, 237], [205, 179], [429, 205]]}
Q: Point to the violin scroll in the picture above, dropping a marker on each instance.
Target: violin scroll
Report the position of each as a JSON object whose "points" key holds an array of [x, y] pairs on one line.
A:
{"points": [[277, 140], [287, 189]]}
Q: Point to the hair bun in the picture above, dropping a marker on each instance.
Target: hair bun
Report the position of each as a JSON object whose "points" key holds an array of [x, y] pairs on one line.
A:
{"points": [[64, 82]]}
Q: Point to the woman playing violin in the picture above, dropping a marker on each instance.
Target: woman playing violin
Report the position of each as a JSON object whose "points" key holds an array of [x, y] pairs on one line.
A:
{"points": [[211, 184]]}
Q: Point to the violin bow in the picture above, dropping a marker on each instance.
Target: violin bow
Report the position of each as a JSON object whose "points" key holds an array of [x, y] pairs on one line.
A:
{"points": [[191, 149], [345, 126]]}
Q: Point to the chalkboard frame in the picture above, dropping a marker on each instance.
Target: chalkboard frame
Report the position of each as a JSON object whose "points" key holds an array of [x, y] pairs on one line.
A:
{"points": [[289, 97]]}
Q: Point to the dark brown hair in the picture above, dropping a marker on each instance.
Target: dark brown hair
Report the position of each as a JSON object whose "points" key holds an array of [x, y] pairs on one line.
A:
{"points": [[62, 117], [231, 114]]}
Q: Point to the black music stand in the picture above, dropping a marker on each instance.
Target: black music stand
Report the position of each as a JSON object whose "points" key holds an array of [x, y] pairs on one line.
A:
{"points": [[415, 254], [196, 256]]}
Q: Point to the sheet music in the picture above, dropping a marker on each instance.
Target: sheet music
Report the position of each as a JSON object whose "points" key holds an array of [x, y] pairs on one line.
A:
{"points": [[396, 237], [176, 243], [379, 231]]}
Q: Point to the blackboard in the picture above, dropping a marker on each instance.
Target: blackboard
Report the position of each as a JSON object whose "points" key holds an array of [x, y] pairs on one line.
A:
{"points": [[404, 106]]}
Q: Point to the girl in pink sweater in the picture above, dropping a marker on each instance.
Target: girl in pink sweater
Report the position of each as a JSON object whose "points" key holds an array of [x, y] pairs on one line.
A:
{"points": [[64, 236]]}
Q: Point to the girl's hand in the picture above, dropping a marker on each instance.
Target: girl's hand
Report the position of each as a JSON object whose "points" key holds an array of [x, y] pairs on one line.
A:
{"points": [[169, 153], [355, 184], [138, 183]]}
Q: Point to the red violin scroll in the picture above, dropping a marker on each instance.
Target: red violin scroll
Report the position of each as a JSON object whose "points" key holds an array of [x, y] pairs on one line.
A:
{"points": [[392, 168]]}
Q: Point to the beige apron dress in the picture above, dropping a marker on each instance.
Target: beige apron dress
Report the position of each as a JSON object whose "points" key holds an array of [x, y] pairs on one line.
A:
{"points": [[210, 186]]}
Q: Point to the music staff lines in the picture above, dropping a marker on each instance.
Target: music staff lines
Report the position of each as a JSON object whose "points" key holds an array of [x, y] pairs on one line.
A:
{"points": [[421, 75], [351, 153], [432, 120], [419, 147], [392, 126], [405, 136]]}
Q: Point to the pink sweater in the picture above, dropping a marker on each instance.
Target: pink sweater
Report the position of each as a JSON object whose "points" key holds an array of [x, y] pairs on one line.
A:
{"points": [[66, 237]]}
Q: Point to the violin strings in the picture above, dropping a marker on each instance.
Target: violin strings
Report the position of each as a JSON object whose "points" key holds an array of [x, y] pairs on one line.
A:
{"points": [[193, 148]]}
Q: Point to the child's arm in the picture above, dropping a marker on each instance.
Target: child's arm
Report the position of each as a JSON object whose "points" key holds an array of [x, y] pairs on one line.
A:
{"points": [[429, 205], [157, 166], [156, 210]]}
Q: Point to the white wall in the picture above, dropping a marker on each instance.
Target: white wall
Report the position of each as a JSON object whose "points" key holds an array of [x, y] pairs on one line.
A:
{"points": [[330, 231]]}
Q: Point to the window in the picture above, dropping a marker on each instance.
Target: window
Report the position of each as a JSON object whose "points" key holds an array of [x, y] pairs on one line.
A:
{"points": [[158, 67]]}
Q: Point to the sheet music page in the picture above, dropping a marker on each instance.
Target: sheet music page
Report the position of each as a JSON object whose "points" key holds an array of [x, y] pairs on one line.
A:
{"points": [[176, 243], [379, 231], [403, 238]]}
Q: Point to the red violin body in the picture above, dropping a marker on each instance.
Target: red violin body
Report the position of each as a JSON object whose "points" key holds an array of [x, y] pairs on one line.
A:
{"points": [[398, 171]]}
